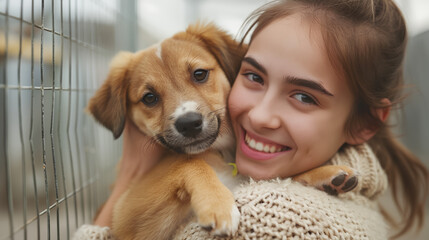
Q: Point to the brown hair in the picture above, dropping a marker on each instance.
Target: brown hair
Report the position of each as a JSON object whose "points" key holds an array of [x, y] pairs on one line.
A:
{"points": [[365, 40]]}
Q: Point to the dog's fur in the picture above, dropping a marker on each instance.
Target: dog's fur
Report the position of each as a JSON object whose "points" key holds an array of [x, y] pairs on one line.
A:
{"points": [[153, 207], [188, 116]]}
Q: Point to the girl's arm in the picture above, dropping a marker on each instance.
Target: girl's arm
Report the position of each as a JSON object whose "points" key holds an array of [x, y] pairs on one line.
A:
{"points": [[139, 155]]}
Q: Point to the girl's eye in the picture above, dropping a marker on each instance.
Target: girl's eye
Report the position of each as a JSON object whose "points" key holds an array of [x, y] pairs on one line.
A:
{"points": [[304, 98], [254, 78]]}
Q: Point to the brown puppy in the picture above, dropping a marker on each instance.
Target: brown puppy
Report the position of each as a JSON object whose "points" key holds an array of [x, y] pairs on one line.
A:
{"points": [[176, 92]]}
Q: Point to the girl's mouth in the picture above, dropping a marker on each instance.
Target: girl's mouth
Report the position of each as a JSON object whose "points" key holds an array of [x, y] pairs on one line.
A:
{"points": [[263, 147], [259, 149]]}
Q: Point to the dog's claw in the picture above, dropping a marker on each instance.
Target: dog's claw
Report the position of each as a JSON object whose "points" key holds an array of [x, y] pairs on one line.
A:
{"points": [[350, 184], [221, 224], [331, 191], [207, 228], [338, 180]]}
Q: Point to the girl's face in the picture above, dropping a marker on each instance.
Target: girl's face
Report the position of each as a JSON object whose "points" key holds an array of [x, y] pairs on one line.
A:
{"points": [[288, 105]]}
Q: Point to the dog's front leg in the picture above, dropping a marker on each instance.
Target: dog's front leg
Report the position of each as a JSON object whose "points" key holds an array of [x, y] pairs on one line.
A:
{"points": [[212, 202]]}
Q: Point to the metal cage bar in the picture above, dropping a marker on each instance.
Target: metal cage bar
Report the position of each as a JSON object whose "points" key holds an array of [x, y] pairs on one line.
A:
{"points": [[56, 162]]}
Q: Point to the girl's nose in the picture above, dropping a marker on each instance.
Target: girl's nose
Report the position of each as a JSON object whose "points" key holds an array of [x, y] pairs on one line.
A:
{"points": [[264, 115]]}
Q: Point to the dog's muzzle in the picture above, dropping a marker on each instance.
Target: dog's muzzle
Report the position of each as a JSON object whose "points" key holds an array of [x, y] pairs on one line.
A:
{"points": [[190, 124], [191, 133]]}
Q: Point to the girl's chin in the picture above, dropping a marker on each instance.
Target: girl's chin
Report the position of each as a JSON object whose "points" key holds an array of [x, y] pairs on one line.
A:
{"points": [[253, 170]]}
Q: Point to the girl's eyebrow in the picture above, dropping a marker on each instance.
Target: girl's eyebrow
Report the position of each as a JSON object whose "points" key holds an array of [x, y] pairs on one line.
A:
{"points": [[255, 64], [291, 79], [308, 84]]}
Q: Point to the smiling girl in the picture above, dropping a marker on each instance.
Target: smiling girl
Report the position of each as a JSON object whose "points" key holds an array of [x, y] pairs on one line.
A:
{"points": [[316, 87], [317, 83]]}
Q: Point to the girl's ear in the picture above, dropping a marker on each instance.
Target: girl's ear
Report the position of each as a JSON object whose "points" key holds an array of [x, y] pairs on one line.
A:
{"points": [[368, 132], [383, 113]]}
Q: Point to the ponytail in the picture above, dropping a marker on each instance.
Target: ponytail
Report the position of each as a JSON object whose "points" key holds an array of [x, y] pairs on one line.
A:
{"points": [[408, 177]]}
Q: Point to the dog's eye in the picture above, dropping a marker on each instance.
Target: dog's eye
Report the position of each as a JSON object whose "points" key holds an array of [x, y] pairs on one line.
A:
{"points": [[201, 75], [150, 99]]}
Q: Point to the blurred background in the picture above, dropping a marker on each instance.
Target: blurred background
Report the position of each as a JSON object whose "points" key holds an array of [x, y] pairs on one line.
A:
{"points": [[56, 163]]}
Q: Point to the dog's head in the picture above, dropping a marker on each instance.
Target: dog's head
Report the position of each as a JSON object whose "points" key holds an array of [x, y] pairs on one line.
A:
{"points": [[175, 91]]}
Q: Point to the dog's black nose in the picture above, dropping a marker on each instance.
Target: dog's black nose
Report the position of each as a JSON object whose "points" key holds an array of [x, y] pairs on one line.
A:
{"points": [[190, 124]]}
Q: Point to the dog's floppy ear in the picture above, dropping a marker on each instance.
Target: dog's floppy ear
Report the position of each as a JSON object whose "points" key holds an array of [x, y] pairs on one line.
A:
{"points": [[226, 50], [108, 105]]}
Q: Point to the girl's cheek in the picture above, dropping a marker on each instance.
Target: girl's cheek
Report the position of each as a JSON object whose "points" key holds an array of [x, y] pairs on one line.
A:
{"points": [[234, 106], [241, 98], [234, 97]]}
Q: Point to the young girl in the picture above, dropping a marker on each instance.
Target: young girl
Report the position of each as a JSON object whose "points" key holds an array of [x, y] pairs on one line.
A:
{"points": [[320, 75], [315, 87]]}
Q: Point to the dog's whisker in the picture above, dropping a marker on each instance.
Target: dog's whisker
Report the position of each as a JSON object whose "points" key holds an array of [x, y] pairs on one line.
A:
{"points": [[225, 130], [207, 106], [149, 144], [216, 111], [202, 107], [221, 109]]}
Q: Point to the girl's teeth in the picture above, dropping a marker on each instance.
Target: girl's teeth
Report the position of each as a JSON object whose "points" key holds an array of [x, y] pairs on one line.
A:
{"points": [[252, 143], [267, 148], [259, 146]]}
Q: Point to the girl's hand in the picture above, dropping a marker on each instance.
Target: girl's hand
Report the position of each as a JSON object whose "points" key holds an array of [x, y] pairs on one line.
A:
{"points": [[139, 154]]}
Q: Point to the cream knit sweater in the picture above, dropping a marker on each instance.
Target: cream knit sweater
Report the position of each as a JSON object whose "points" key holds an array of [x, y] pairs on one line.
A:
{"points": [[283, 209]]}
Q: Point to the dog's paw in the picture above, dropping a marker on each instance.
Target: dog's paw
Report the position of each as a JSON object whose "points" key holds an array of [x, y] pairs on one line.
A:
{"points": [[332, 179], [344, 181], [220, 221]]}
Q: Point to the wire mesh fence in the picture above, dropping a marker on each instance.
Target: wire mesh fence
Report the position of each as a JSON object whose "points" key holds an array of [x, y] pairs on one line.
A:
{"points": [[56, 163]]}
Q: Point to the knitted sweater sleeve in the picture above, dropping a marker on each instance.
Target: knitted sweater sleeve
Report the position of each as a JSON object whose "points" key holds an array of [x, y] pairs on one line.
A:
{"points": [[283, 209], [372, 178]]}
